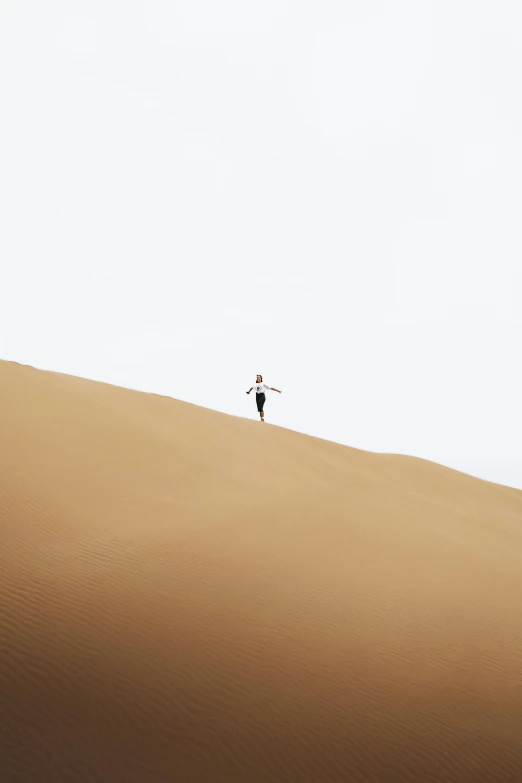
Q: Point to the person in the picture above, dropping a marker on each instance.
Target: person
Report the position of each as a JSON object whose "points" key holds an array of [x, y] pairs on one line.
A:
{"points": [[260, 387]]}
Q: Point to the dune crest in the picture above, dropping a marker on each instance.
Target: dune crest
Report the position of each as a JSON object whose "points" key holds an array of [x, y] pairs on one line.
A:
{"points": [[188, 596]]}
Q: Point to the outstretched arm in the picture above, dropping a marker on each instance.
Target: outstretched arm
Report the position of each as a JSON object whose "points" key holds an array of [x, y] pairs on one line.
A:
{"points": [[272, 388], [248, 392]]}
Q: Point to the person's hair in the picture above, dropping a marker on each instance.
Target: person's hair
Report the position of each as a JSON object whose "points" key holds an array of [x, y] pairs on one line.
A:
{"points": [[259, 376]]}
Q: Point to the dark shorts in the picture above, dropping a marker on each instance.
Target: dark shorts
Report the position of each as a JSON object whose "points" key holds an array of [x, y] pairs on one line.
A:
{"points": [[260, 399]]}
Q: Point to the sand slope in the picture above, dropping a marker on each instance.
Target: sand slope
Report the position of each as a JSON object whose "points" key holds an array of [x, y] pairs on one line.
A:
{"points": [[188, 596]]}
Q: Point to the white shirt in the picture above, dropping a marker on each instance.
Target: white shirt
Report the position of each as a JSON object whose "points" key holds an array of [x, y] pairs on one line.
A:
{"points": [[260, 387]]}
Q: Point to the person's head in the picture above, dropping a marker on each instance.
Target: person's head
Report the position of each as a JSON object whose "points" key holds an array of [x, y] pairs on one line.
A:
{"points": [[259, 379]]}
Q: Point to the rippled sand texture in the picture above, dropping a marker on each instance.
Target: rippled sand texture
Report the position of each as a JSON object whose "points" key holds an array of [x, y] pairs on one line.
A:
{"points": [[188, 596]]}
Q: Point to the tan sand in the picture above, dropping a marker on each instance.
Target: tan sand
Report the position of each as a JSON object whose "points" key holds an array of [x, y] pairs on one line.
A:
{"points": [[188, 596]]}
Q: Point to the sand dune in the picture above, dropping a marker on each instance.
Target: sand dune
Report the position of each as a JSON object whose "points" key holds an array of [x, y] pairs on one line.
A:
{"points": [[188, 596]]}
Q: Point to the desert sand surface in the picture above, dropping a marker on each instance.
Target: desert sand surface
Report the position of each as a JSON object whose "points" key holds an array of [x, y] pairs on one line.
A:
{"points": [[189, 596]]}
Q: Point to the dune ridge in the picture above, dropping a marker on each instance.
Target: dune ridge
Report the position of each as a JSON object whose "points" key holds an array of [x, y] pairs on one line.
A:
{"points": [[189, 596]]}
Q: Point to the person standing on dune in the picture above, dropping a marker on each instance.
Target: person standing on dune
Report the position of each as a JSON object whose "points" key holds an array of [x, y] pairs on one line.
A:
{"points": [[260, 387]]}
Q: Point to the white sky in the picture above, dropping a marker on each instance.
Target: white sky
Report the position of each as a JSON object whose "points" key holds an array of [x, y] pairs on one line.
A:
{"points": [[327, 193]]}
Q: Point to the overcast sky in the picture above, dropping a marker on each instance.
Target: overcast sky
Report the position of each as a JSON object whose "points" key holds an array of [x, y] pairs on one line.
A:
{"points": [[192, 192]]}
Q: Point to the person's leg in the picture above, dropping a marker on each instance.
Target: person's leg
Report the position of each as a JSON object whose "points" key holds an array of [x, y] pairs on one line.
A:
{"points": [[260, 398]]}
